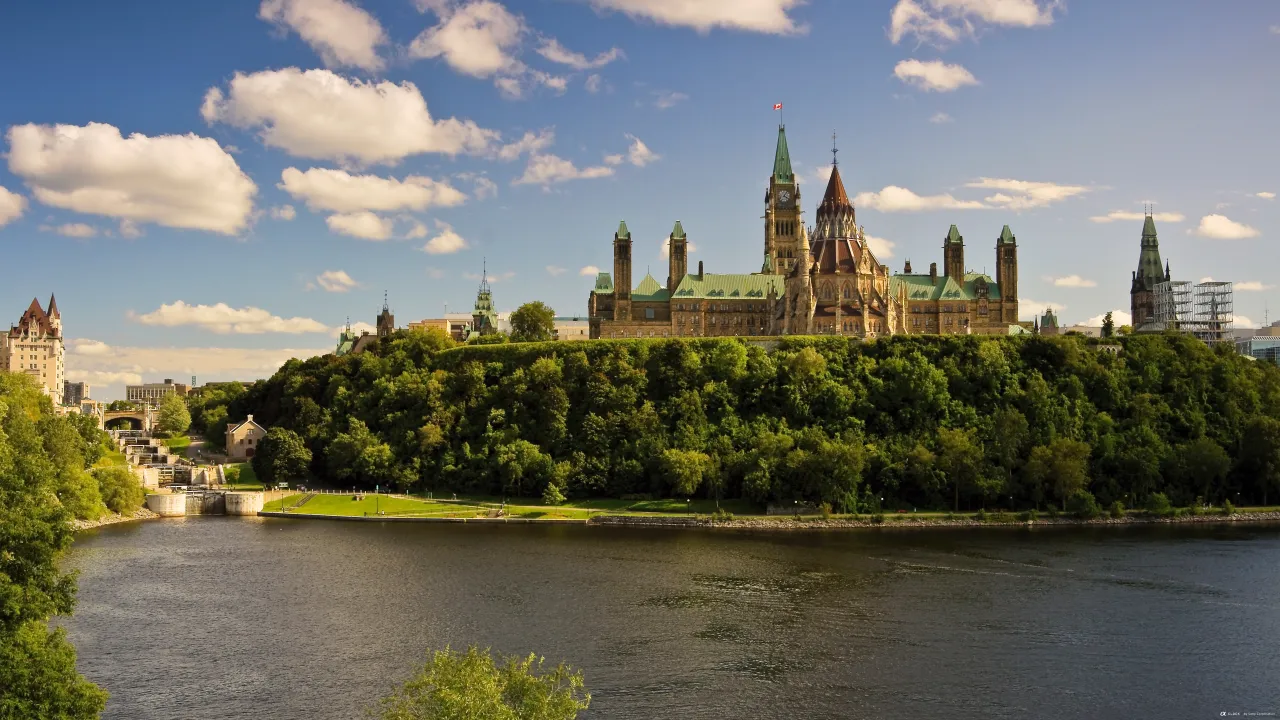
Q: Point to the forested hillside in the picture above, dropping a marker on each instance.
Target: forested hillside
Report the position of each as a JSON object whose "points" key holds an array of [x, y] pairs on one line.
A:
{"points": [[921, 422]]}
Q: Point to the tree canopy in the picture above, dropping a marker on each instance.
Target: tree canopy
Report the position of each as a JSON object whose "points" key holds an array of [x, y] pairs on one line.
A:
{"points": [[922, 422], [533, 322], [173, 418]]}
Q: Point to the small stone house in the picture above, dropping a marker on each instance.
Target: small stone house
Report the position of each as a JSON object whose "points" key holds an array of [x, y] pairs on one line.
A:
{"points": [[243, 439]]}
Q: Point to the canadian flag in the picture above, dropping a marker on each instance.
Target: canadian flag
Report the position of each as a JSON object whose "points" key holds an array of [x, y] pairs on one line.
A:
{"points": [[777, 106]]}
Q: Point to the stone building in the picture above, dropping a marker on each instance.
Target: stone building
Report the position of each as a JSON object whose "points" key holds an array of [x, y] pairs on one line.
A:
{"points": [[152, 393], [35, 347], [243, 439], [1142, 299], [819, 279], [74, 392]]}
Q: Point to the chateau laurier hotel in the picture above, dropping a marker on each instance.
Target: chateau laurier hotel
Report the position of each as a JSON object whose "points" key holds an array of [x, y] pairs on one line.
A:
{"points": [[815, 280]]}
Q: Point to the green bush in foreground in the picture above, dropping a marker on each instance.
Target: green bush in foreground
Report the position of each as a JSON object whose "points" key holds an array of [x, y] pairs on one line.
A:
{"points": [[1117, 510], [1158, 504], [1228, 509], [1083, 505], [456, 685]]}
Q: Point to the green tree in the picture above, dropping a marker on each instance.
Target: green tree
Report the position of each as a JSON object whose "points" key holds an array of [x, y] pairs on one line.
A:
{"points": [[118, 405], [281, 456], [1260, 453], [173, 418], [1108, 325], [1201, 464], [475, 685], [533, 322], [683, 470], [38, 678], [121, 491], [1061, 466], [960, 458]]}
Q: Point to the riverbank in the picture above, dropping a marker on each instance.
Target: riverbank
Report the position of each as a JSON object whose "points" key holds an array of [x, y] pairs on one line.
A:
{"points": [[784, 523], [112, 519]]}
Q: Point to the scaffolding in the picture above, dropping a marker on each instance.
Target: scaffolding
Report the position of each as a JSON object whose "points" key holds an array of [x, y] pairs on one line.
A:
{"points": [[1204, 310]]}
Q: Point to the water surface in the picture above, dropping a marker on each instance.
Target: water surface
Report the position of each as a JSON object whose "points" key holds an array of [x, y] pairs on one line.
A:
{"points": [[292, 620]]}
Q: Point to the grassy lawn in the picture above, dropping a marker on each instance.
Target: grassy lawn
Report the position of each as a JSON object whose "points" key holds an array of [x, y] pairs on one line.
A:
{"points": [[371, 504], [625, 507], [111, 457], [178, 444]]}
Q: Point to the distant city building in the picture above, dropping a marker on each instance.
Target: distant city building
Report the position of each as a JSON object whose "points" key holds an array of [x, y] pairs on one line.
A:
{"points": [[152, 393], [572, 328], [35, 347], [1260, 347], [823, 279], [1203, 310], [243, 439], [349, 343], [455, 325], [484, 319], [1048, 323], [1092, 331], [74, 392], [1142, 301]]}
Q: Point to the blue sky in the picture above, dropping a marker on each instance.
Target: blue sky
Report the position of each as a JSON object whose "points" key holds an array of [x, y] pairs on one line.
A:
{"points": [[212, 188]]}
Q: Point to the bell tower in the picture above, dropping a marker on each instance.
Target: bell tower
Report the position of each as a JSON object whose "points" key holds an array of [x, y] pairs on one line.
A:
{"points": [[953, 255], [1007, 273], [622, 273], [678, 257], [782, 215]]}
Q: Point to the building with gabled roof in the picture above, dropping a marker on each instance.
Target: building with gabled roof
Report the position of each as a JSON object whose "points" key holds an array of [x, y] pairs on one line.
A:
{"points": [[820, 279], [243, 438], [35, 347]]}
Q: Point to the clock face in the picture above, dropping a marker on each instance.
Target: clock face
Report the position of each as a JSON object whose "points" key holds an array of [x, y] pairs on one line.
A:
{"points": [[784, 196]]}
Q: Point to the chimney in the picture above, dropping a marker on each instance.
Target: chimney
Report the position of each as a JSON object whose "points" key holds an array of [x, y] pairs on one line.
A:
{"points": [[907, 270], [699, 269], [249, 419], [933, 272], [168, 381]]}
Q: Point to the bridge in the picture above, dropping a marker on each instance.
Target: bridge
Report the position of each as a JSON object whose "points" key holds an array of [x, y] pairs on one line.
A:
{"points": [[142, 419]]}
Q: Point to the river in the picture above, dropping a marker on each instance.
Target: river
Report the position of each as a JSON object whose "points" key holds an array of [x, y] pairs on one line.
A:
{"points": [[293, 620]]}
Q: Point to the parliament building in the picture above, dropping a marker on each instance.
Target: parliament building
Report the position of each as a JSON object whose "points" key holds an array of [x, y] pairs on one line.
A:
{"points": [[820, 279]]}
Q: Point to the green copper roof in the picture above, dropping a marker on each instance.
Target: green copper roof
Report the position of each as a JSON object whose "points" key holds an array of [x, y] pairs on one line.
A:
{"points": [[604, 283], [921, 287], [1006, 236], [1150, 269], [782, 159], [623, 232], [1149, 227], [953, 235], [712, 286], [678, 232], [650, 291]]}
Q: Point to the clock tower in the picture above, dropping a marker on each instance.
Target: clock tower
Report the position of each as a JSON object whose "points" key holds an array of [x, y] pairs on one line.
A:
{"points": [[782, 221]]}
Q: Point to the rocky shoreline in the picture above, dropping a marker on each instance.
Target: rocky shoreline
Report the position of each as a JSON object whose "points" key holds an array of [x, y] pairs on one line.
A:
{"points": [[112, 519], [892, 522]]}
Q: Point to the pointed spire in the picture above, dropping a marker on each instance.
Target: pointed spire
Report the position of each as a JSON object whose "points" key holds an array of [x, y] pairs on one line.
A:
{"points": [[1149, 227], [53, 306], [623, 232], [678, 231], [782, 159], [953, 235], [835, 197], [386, 305], [1006, 237]]}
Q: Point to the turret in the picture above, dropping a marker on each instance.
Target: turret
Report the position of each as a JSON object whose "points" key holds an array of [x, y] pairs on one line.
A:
{"points": [[782, 209], [1007, 264], [386, 321], [622, 272], [678, 257], [953, 254]]}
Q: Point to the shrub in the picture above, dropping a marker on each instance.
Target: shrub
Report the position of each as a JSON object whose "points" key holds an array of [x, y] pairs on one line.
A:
{"points": [[1117, 510], [1197, 507], [1053, 512], [877, 519], [980, 516], [825, 509], [1002, 516], [1083, 505], [1158, 505], [951, 516], [721, 516], [120, 490], [1227, 508], [552, 495]]}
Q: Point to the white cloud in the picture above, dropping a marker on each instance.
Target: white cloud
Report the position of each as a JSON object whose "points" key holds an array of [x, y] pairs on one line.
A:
{"points": [[531, 143], [336, 281], [446, 241], [1252, 286], [941, 22], [1072, 281], [665, 99], [103, 378], [130, 229], [358, 328], [639, 154], [1266, 195], [762, 16], [1030, 309], [1275, 29], [485, 188], [342, 33], [614, 159], [224, 319], [552, 50], [1240, 321], [555, 270], [933, 75], [898, 199], [1220, 227], [1118, 317], [546, 170], [1127, 215], [364, 225], [182, 181], [881, 248], [940, 118], [1026, 194], [75, 230], [476, 39], [822, 174], [589, 271], [86, 346], [491, 278], [283, 212], [12, 205], [319, 114], [342, 192], [593, 83]]}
